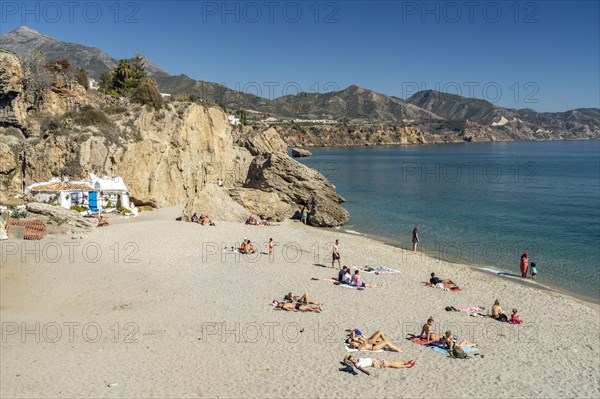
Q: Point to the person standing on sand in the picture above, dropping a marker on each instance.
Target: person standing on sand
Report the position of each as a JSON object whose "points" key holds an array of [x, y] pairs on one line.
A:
{"points": [[271, 245], [415, 239], [524, 264], [336, 254], [304, 218]]}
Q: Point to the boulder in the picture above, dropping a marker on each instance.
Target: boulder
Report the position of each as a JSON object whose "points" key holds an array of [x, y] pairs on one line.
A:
{"points": [[263, 204], [215, 202], [267, 141], [297, 184], [326, 212], [62, 216], [301, 153]]}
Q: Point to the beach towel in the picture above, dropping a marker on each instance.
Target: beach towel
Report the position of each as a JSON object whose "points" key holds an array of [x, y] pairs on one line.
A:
{"points": [[334, 280], [471, 309], [446, 287], [436, 347], [348, 349], [382, 270]]}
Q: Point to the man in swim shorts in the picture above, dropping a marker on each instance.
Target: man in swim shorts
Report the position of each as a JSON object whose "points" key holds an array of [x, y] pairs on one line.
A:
{"points": [[363, 363]]}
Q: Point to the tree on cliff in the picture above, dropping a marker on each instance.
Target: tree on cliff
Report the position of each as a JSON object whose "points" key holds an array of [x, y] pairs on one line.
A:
{"points": [[129, 78], [37, 79]]}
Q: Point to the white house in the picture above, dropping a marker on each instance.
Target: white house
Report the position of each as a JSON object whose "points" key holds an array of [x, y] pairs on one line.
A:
{"points": [[92, 84], [233, 120]]}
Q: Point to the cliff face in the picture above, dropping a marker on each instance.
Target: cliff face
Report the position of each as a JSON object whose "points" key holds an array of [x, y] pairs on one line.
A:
{"points": [[166, 157], [13, 109]]}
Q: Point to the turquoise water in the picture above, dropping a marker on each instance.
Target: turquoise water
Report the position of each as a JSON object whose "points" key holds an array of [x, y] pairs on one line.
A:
{"points": [[484, 203]]}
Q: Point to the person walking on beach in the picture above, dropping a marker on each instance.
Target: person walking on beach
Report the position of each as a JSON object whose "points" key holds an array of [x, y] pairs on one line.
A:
{"points": [[524, 264], [304, 218], [336, 254], [271, 245], [415, 239]]}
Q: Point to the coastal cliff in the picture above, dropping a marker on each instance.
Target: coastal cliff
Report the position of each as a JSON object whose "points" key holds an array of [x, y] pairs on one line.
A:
{"points": [[166, 156]]}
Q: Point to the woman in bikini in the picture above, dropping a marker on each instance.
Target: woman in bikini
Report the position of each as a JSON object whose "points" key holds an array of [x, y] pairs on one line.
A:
{"points": [[377, 342], [427, 331], [298, 306], [448, 341], [304, 299]]}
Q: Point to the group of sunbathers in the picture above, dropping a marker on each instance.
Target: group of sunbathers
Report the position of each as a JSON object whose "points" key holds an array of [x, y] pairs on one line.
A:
{"points": [[499, 314], [247, 247], [254, 220], [446, 341], [346, 277], [377, 341], [298, 303], [202, 219]]}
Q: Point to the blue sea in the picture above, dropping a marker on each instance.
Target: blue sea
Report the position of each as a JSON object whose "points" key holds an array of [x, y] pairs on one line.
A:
{"points": [[480, 203]]}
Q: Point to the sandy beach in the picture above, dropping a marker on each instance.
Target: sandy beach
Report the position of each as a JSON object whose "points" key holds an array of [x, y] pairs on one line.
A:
{"points": [[153, 307]]}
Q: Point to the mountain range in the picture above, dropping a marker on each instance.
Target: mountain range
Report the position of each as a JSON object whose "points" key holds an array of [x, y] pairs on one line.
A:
{"points": [[355, 105]]}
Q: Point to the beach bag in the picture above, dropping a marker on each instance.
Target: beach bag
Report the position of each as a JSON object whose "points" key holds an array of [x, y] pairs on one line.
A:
{"points": [[458, 353]]}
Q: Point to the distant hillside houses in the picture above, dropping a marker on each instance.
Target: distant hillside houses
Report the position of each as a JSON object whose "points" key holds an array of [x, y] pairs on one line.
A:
{"points": [[317, 121], [233, 120], [92, 84], [165, 95]]}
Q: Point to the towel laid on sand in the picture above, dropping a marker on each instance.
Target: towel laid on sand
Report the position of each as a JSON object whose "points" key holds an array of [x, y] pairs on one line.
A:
{"points": [[352, 287], [382, 270], [436, 347], [446, 287]]}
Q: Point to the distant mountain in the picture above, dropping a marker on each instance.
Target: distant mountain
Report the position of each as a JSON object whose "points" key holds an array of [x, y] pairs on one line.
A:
{"points": [[354, 103], [428, 110], [93, 60], [453, 107]]}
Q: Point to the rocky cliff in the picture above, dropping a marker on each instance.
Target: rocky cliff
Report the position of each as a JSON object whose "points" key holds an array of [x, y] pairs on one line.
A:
{"points": [[166, 157]]}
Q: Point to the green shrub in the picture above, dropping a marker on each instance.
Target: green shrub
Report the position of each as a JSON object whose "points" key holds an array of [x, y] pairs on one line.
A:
{"points": [[147, 94], [79, 208], [124, 211]]}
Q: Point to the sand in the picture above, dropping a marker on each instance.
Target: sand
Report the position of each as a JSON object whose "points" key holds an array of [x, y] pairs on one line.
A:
{"points": [[180, 318]]}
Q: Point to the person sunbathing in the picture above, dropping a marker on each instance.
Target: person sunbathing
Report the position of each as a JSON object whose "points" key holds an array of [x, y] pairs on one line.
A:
{"points": [[498, 313], [449, 342], [298, 306], [194, 218], [427, 331], [305, 299], [434, 280], [102, 221], [376, 342], [357, 281], [363, 363]]}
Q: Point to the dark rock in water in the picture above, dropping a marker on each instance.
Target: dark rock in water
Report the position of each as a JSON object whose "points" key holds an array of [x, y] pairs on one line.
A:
{"points": [[298, 184], [301, 153]]}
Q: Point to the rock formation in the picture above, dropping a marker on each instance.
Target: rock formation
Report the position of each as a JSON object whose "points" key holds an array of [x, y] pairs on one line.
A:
{"points": [[62, 216], [166, 157], [301, 153]]}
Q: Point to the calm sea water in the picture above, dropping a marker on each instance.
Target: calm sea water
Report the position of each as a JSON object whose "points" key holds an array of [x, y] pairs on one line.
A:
{"points": [[484, 203]]}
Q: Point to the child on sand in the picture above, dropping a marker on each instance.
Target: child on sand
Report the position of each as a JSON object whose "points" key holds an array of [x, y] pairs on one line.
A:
{"points": [[514, 318]]}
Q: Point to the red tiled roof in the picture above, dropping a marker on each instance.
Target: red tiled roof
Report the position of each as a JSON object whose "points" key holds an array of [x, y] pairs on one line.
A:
{"points": [[34, 229]]}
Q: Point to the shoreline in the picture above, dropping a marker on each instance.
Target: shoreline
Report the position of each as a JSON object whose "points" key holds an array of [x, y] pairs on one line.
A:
{"points": [[444, 143], [497, 271]]}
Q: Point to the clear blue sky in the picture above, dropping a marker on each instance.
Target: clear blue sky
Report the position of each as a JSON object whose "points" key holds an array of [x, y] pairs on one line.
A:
{"points": [[543, 55]]}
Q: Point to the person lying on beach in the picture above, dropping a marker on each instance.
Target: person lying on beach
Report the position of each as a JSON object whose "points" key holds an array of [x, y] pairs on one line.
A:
{"points": [[102, 221], [498, 313], [298, 306], [205, 220], [377, 342], [434, 280], [364, 363], [427, 331], [367, 268], [194, 218], [304, 299], [449, 342], [357, 281]]}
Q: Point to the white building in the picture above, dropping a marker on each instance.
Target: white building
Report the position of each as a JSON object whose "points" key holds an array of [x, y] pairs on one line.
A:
{"points": [[233, 120], [92, 84]]}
